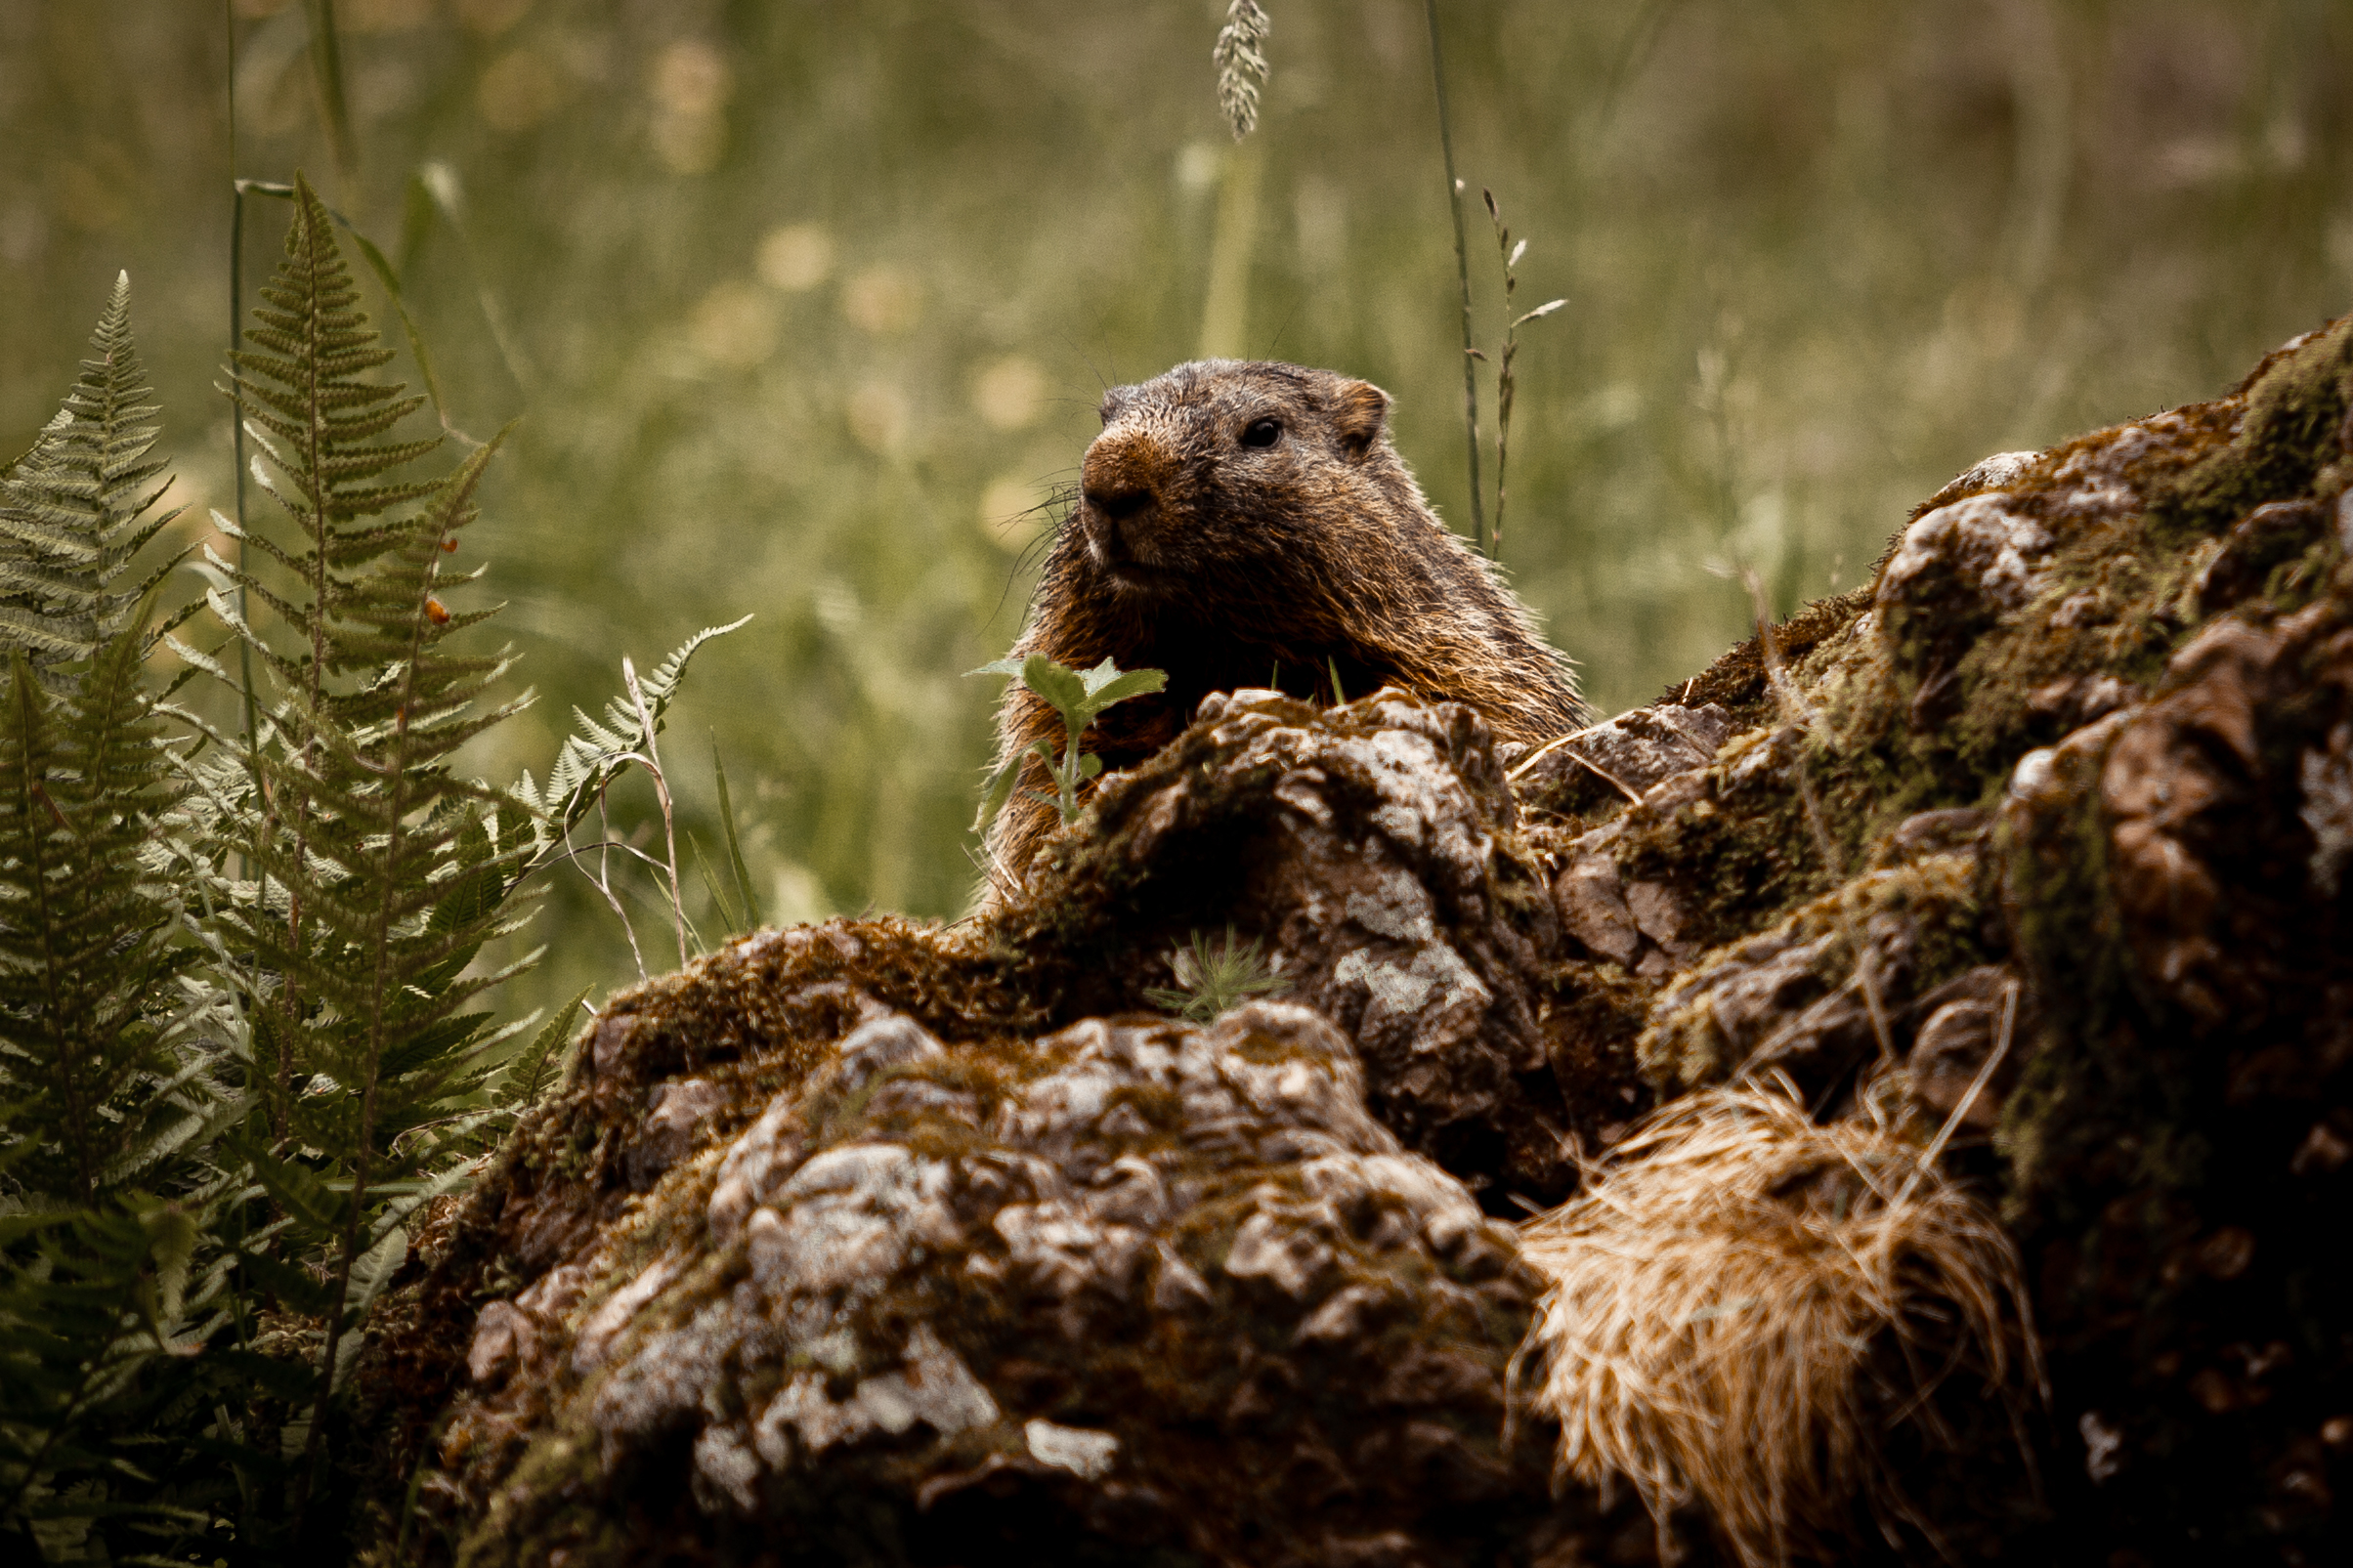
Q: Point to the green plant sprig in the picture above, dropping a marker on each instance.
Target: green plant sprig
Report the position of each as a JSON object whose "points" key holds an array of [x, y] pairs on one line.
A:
{"points": [[1214, 981], [1079, 697]]}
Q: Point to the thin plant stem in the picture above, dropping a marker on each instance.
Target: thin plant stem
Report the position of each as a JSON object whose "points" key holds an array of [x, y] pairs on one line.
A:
{"points": [[236, 399], [326, 71], [621, 844], [248, 712], [661, 792], [1503, 386], [602, 878], [1977, 1086], [1225, 309], [1503, 443], [1461, 274]]}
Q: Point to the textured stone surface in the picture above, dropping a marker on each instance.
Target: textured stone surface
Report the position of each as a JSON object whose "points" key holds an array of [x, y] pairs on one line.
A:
{"points": [[1144, 1284], [1375, 850], [1629, 754]]}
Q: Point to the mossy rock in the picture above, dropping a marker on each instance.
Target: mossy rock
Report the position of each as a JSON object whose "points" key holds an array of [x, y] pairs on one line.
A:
{"points": [[2040, 845]]}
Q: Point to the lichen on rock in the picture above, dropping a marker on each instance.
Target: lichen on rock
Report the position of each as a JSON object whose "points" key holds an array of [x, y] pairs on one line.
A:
{"points": [[941, 1294], [1375, 850]]}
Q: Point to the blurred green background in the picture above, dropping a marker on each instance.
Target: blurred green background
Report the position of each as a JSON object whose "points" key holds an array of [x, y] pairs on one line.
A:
{"points": [[805, 307]]}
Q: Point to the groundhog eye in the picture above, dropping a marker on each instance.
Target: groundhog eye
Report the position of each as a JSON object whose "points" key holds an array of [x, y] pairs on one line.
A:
{"points": [[1261, 433]]}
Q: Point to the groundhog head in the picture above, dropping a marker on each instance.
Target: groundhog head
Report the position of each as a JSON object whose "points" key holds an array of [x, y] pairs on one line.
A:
{"points": [[1205, 475]]}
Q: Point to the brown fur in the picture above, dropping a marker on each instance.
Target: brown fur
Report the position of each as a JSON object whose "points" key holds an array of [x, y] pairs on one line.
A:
{"points": [[1229, 564]]}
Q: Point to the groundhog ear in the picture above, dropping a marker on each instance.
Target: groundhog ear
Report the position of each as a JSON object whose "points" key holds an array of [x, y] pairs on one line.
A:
{"points": [[1362, 414]]}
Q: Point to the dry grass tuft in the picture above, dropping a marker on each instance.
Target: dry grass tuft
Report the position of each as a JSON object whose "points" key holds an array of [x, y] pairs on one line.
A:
{"points": [[1717, 1296]]}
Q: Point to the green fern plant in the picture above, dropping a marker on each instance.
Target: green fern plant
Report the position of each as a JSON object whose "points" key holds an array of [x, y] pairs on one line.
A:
{"points": [[241, 1035], [107, 1273], [94, 1300], [89, 1022], [87, 920], [600, 751], [593, 759], [377, 873], [526, 1077]]}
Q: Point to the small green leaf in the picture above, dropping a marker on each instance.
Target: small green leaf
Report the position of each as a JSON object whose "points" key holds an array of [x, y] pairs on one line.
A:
{"points": [[535, 1066], [172, 1233], [730, 919], [1094, 680], [1077, 698], [1064, 688], [370, 1272], [1135, 683], [996, 791]]}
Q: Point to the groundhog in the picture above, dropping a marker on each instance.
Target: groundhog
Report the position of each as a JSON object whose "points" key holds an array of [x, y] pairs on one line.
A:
{"points": [[1248, 523]]}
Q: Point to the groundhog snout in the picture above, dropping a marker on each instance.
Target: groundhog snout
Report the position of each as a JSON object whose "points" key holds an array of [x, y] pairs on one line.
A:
{"points": [[1124, 480]]}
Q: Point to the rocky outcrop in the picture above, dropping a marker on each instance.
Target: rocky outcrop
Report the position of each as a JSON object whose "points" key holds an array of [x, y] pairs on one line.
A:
{"points": [[2046, 830], [2026, 864], [1376, 851], [1138, 1283]]}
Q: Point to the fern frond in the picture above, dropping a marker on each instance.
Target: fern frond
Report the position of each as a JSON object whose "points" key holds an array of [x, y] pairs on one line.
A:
{"points": [[73, 510], [600, 752], [91, 1303], [534, 1070], [87, 923]]}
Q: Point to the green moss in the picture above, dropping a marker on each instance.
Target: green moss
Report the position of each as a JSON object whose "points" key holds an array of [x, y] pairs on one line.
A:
{"points": [[1734, 853], [2292, 405], [1931, 909]]}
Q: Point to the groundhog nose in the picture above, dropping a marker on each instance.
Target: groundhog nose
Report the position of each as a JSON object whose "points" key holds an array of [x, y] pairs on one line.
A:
{"points": [[1118, 505], [1122, 475]]}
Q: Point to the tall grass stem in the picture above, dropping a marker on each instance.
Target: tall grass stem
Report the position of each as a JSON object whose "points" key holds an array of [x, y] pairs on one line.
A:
{"points": [[335, 107], [236, 401], [1461, 274], [652, 762], [1226, 312]]}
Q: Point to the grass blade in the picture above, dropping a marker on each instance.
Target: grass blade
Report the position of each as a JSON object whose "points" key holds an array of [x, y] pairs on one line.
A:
{"points": [[326, 69], [753, 919]]}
